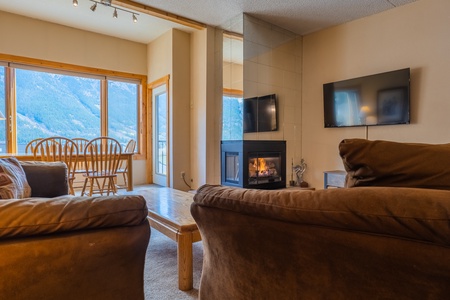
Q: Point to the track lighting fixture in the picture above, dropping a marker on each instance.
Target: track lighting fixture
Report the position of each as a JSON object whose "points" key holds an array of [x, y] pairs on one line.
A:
{"points": [[108, 4]]}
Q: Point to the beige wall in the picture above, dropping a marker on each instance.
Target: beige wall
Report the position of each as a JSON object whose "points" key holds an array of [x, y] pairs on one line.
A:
{"points": [[180, 109], [204, 148], [22, 36], [233, 76], [415, 36], [159, 57], [198, 108], [273, 65], [170, 55], [33, 38], [159, 65]]}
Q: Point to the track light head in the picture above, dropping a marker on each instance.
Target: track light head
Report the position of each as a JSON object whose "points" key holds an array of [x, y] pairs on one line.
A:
{"points": [[108, 4], [75, 2]]}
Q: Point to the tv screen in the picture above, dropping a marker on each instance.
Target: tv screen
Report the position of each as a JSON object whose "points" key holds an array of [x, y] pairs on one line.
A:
{"points": [[260, 114], [380, 99]]}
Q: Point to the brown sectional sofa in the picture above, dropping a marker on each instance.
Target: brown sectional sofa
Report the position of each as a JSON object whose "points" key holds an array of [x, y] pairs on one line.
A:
{"points": [[371, 242], [68, 247]]}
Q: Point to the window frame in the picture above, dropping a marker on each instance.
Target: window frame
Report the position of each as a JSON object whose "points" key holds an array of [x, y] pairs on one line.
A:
{"points": [[165, 80], [69, 69]]}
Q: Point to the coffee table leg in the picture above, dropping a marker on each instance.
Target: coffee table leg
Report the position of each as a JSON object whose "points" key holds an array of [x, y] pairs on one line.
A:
{"points": [[185, 269]]}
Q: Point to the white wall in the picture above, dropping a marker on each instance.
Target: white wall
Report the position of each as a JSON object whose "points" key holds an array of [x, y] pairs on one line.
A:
{"points": [[415, 35]]}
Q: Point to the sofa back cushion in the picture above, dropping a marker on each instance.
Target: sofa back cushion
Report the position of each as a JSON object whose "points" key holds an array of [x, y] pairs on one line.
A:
{"points": [[13, 182], [386, 163], [407, 213]]}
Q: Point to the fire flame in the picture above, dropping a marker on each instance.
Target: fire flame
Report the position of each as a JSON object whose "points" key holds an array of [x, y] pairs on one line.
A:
{"points": [[261, 166]]}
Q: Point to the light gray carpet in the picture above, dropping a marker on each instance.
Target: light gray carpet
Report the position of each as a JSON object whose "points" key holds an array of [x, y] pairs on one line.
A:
{"points": [[161, 272]]}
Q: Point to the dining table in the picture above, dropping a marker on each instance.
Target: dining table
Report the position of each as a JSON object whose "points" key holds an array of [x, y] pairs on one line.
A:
{"points": [[128, 156]]}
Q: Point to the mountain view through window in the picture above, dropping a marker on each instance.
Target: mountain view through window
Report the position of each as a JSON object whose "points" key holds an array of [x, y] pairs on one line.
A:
{"points": [[51, 104]]}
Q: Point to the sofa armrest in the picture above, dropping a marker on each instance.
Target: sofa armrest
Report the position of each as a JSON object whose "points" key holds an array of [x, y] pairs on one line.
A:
{"points": [[46, 179], [73, 248], [37, 216]]}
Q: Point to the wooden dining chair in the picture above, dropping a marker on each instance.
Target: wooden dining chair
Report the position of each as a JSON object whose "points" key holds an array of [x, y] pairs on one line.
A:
{"points": [[101, 158], [123, 165], [59, 148], [81, 143], [29, 148], [80, 169]]}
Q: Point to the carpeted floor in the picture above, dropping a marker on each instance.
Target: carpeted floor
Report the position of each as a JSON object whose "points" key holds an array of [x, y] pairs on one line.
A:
{"points": [[161, 274]]}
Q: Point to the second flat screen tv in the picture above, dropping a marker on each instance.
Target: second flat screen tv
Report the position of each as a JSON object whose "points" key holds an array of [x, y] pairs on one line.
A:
{"points": [[380, 99], [260, 114]]}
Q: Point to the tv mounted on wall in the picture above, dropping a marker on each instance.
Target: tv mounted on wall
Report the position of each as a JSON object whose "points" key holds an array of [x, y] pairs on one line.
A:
{"points": [[379, 99], [260, 114]]}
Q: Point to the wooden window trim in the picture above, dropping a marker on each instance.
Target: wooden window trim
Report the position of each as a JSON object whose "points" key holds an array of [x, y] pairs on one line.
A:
{"points": [[233, 93], [10, 93]]}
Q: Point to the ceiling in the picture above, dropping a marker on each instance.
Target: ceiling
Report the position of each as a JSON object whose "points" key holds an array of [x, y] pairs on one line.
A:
{"points": [[299, 16]]}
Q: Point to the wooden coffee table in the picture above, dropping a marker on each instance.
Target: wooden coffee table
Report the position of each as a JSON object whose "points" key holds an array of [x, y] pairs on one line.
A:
{"points": [[169, 213]]}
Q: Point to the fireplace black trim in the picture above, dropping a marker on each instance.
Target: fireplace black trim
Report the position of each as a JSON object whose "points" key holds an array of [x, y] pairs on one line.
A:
{"points": [[243, 148]]}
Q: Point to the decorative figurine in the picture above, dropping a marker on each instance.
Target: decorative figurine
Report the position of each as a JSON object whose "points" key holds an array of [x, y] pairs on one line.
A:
{"points": [[299, 170], [292, 182]]}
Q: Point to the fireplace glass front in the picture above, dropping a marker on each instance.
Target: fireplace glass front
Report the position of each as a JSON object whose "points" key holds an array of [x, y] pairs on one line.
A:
{"points": [[264, 168], [232, 167]]}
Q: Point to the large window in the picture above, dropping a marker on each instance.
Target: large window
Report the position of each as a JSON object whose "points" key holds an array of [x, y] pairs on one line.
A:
{"points": [[56, 105], [122, 110], [232, 116], [51, 102]]}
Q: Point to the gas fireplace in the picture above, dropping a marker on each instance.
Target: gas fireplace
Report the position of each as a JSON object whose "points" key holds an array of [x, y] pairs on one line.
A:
{"points": [[254, 164]]}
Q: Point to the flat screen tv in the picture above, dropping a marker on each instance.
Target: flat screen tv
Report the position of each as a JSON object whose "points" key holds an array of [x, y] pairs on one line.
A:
{"points": [[260, 114], [379, 99]]}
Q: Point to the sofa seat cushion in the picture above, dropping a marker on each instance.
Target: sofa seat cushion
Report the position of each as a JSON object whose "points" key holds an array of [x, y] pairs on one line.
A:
{"points": [[13, 182], [386, 163], [40, 216]]}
